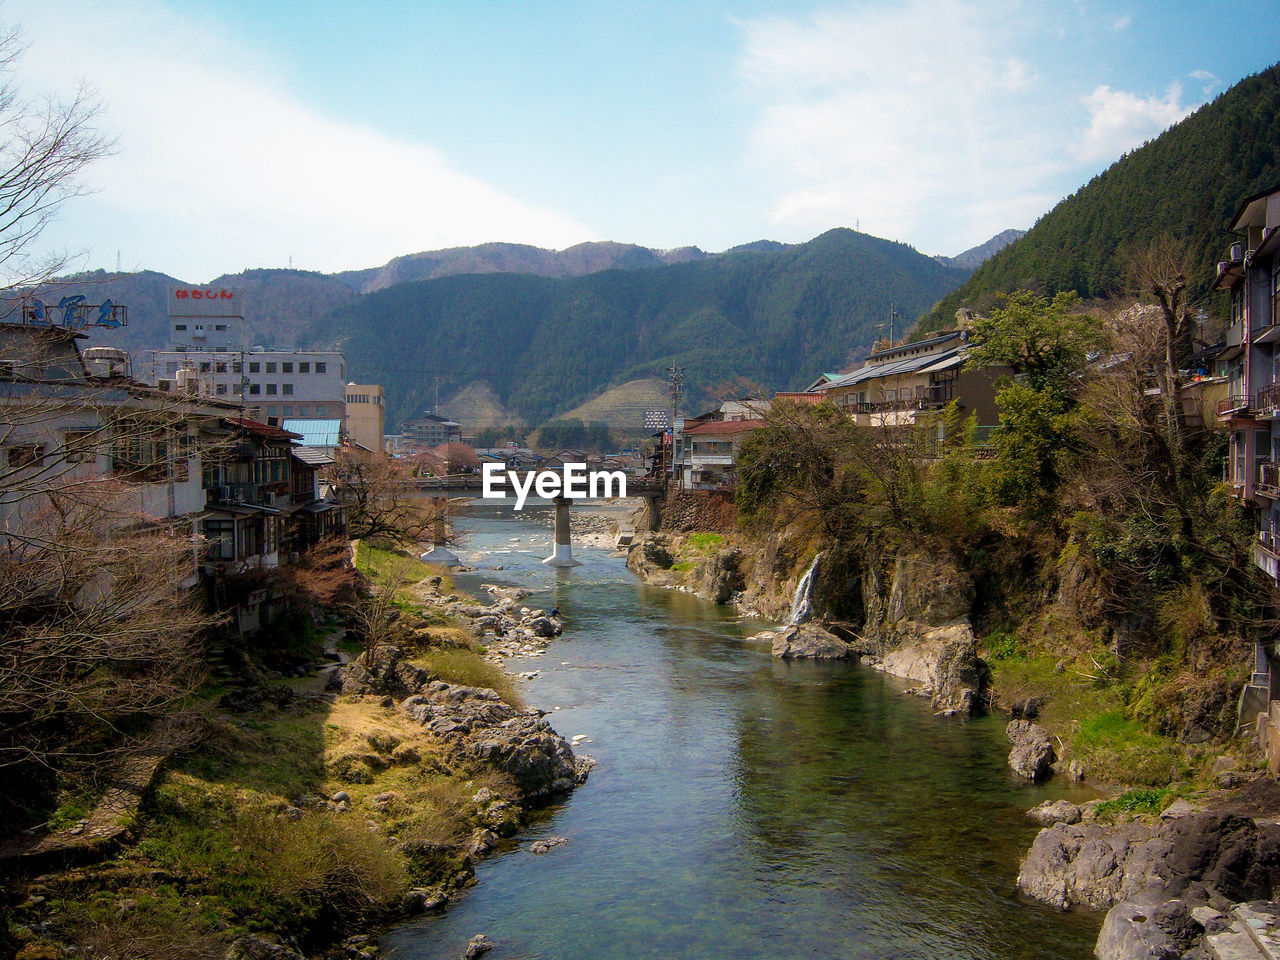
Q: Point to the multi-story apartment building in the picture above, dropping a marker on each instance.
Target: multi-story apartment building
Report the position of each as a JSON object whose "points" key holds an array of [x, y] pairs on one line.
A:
{"points": [[309, 385], [1251, 412], [366, 414], [431, 430], [207, 347]]}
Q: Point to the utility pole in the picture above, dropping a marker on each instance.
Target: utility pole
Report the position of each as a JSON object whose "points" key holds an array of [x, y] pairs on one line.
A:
{"points": [[436, 409], [893, 319], [675, 383]]}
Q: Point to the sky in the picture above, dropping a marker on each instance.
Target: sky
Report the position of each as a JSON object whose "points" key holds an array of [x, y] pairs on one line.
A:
{"points": [[332, 136]]}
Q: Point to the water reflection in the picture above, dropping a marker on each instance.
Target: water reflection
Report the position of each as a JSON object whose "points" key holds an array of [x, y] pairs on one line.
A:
{"points": [[744, 807]]}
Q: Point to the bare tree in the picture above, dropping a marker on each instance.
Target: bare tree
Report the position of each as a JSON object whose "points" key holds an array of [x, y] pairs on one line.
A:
{"points": [[46, 145], [382, 503]]}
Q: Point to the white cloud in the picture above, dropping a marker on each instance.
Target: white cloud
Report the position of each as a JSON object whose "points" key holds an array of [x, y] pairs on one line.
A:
{"points": [[926, 121], [914, 120], [1120, 121], [214, 149], [1121, 23], [1208, 81]]}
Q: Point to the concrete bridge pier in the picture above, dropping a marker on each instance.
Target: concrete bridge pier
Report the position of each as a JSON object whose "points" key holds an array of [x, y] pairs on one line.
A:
{"points": [[562, 552]]}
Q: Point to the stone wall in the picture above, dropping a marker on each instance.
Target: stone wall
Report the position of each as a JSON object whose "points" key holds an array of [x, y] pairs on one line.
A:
{"points": [[707, 511]]}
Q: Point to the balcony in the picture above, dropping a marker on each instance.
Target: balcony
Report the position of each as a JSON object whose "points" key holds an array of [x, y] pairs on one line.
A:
{"points": [[1269, 402], [1233, 406], [1268, 484]]}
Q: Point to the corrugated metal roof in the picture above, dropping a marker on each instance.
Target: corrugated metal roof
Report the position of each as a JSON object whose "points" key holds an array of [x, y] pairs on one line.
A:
{"points": [[877, 371], [312, 456], [315, 433]]}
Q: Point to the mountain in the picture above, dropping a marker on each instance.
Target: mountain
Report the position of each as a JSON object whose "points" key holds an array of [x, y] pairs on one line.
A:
{"points": [[544, 345], [284, 303], [576, 261], [1186, 183], [975, 257]]}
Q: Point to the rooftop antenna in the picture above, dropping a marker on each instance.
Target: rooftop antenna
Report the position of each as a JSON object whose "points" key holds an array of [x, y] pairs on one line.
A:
{"points": [[117, 261], [893, 318], [291, 261]]}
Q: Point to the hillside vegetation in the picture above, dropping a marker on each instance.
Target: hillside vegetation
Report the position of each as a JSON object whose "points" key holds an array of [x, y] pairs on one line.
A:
{"points": [[771, 316], [1186, 183]]}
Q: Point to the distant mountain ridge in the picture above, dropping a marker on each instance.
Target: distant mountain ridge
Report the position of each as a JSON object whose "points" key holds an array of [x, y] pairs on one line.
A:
{"points": [[975, 257], [545, 345], [1185, 184], [575, 261]]}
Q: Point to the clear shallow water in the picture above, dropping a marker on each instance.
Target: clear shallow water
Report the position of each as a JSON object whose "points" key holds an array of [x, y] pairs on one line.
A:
{"points": [[742, 807]]}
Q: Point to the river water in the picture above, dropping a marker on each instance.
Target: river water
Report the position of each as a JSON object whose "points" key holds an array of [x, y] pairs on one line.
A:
{"points": [[741, 807]]}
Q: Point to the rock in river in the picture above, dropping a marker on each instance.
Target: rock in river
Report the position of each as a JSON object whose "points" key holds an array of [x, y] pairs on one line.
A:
{"points": [[809, 641], [1032, 754]]}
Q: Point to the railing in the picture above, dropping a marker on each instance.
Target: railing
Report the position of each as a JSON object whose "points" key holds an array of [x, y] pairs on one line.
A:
{"points": [[883, 406], [1233, 404], [1269, 399], [1267, 540], [1268, 479]]}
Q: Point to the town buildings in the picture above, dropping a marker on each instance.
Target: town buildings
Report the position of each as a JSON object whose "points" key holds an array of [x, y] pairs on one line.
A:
{"points": [[1251, 277], [430, 430], [899, 385], [366, 414]]}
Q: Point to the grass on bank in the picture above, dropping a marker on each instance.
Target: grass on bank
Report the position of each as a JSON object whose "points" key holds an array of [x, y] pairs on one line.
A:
{"points": [[237, 836], [1093, 705]]}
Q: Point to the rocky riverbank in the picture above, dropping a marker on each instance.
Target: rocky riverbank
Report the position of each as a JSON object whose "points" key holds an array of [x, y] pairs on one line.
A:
{"points": [[1196, 881], [313, 811]]}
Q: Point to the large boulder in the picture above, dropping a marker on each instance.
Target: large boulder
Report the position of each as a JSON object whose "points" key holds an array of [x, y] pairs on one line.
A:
{"points": [[477, 724], [382, 671], [808, 641], [1146, 930], [944, 661], [720, 578], [650, 554], [1096, 866], [1032, 755]]}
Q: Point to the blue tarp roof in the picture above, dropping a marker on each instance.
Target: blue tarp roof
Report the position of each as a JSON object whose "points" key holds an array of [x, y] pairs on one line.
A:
{"points": [[315, 433]]}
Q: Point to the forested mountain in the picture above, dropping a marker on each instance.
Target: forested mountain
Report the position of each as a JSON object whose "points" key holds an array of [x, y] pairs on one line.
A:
{"points": [[974, 257], [776, 316], [1186, 183]]}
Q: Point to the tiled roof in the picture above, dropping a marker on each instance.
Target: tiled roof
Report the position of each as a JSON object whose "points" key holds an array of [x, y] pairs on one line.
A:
{"points": [[263, 429], [717, 428]]}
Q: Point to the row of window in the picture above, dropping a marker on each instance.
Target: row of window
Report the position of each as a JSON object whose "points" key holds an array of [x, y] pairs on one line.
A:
{"points": [[199, 326], [255, 366], [320, 412], [364, 398]]}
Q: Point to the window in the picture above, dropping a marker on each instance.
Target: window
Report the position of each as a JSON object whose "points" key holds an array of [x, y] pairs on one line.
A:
{"points": [[220, 367], [288, 390], [219, 326], [254, 366], [319, 409], [180, 326], [237, 389], [271, 366], [205, 366], [302, 410], [288, 410], [271, 411], [286, 366], [77, 446], [254, 389], [271, 389], [237, 366], [321, 367], [221, 537], [220, 389], [304, 368], [1261, 448]]}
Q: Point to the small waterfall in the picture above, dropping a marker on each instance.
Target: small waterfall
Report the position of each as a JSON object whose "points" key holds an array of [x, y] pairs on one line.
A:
{"points": [[801, 604]]}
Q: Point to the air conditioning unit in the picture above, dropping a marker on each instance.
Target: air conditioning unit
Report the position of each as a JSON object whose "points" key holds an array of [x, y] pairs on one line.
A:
{"points": [[1237, 251]]}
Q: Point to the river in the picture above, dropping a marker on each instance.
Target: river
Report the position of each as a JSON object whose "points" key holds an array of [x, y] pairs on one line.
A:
{"points": [[741, 807]]}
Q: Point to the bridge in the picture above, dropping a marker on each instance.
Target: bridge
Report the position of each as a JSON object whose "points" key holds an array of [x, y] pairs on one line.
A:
{"points": [[472, 485]]}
